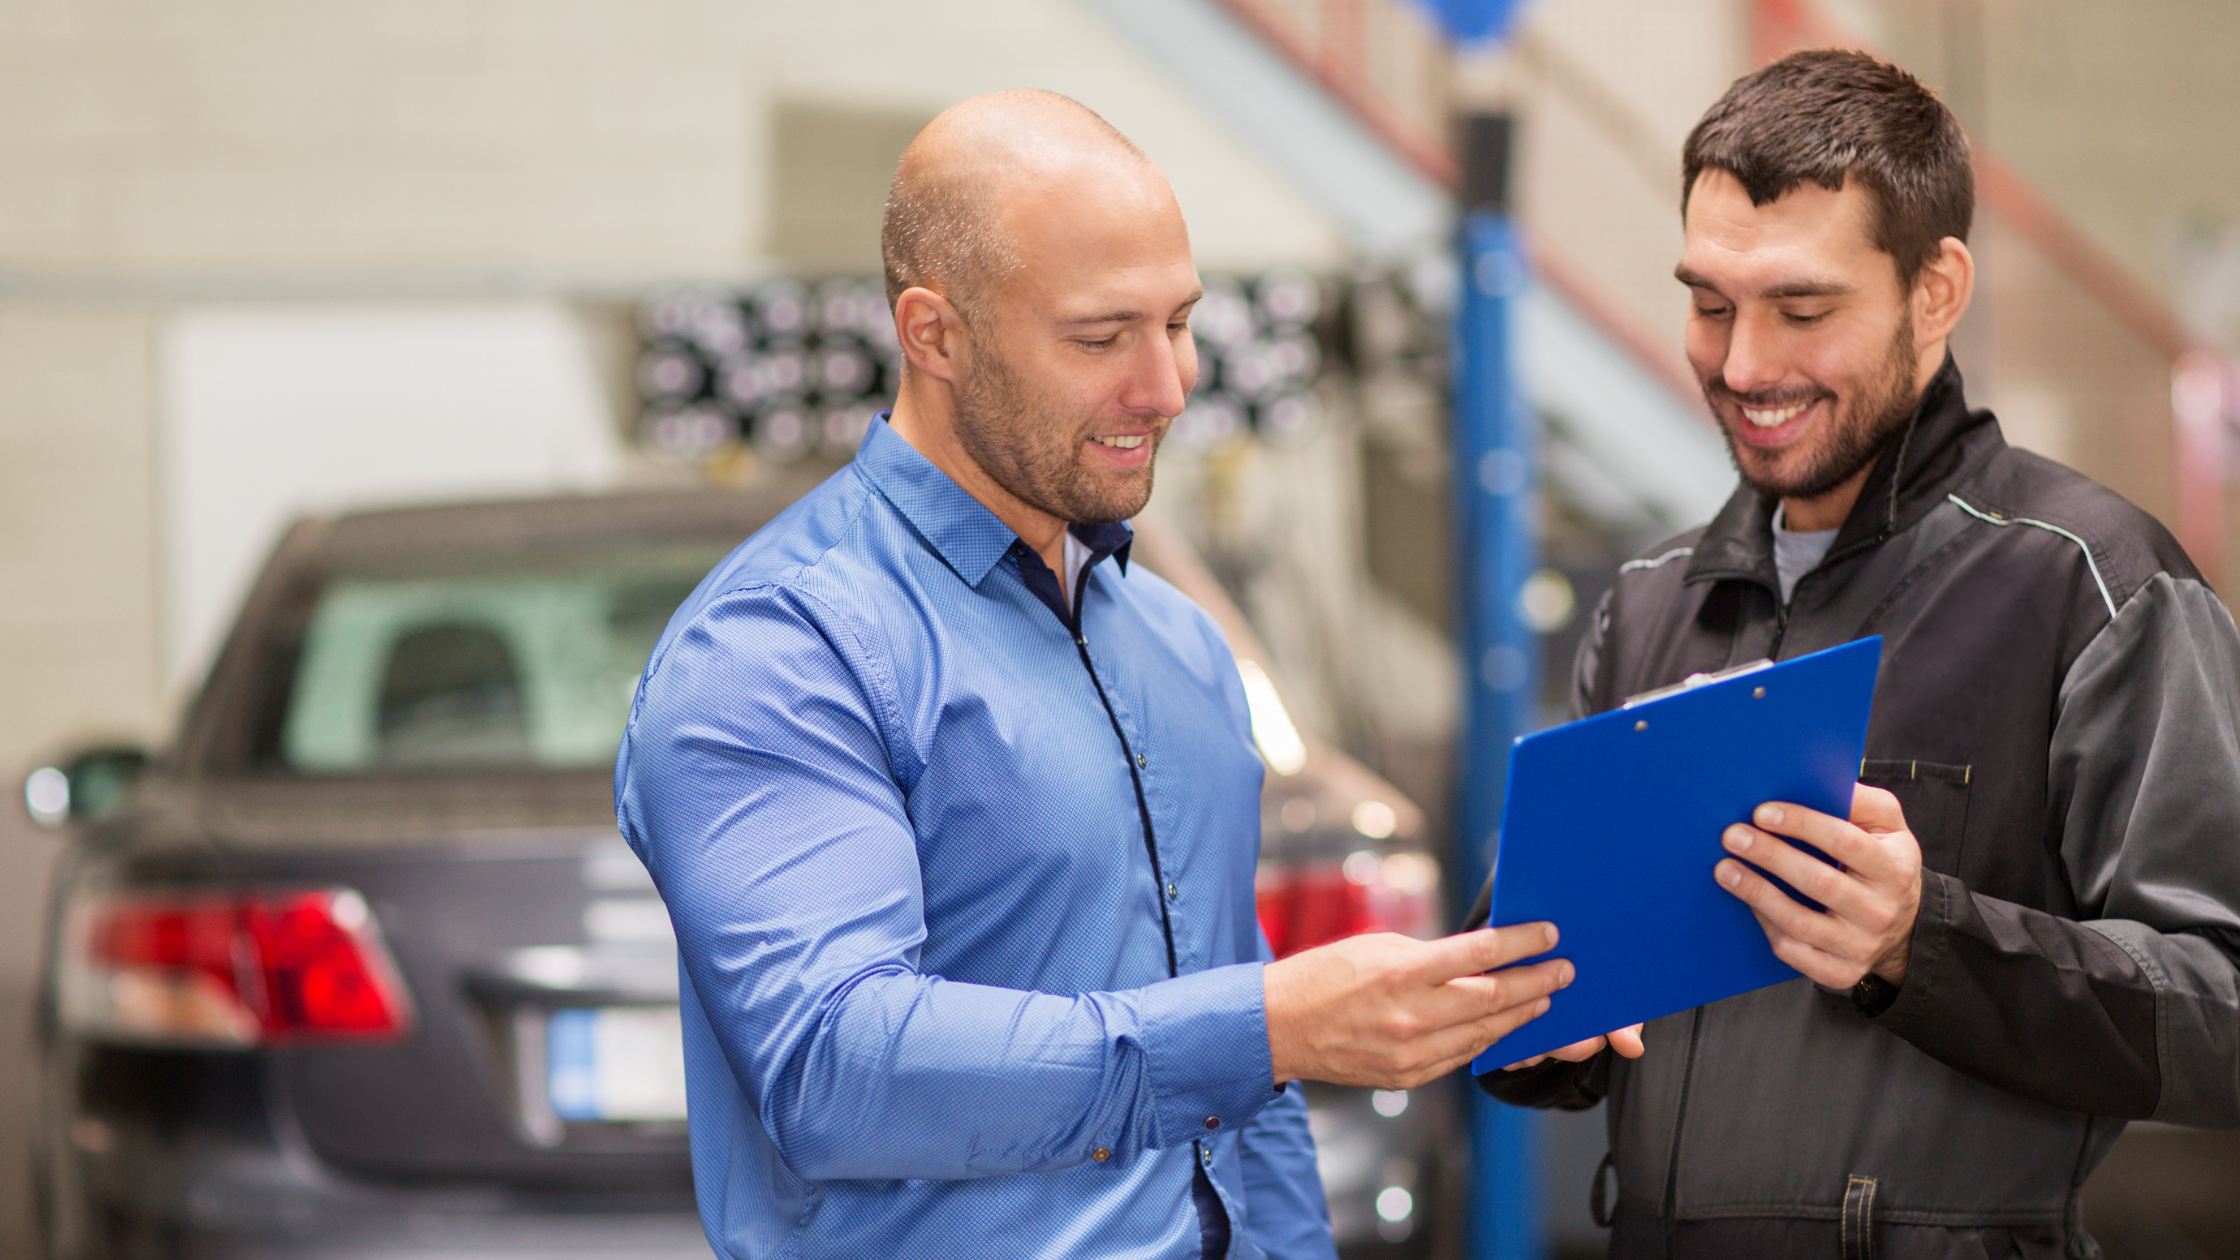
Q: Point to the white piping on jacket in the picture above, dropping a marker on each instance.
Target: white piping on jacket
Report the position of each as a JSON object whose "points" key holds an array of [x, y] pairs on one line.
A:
{"points": [[1674, 554], [2089, 562]]}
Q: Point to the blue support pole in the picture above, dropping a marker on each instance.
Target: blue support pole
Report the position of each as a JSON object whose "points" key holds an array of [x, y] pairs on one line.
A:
{"points": [[1497, 537]]}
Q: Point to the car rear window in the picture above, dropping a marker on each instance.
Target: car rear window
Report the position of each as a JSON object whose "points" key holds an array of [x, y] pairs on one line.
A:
{"points": [[494, 666]]}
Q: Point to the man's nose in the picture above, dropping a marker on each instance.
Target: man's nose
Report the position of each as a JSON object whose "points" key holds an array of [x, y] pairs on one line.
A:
{"points": [[1160, 378], [1753, 361]]}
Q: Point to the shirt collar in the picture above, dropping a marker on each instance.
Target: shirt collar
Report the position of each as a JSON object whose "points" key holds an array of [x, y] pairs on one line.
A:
{"points": [[961, 530]]}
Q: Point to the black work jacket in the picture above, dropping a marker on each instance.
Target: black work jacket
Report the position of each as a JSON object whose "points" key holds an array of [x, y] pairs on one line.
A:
{"points": [[2059, 714]]}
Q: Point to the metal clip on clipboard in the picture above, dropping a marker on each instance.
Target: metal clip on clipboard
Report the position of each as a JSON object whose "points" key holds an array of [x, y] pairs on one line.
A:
{"points": [[1693, 681]]}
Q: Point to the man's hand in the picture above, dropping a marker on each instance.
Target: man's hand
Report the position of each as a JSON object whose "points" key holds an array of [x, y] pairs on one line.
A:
{"points": [[1626, 1041], [1393, 1012], [1872, 898]]}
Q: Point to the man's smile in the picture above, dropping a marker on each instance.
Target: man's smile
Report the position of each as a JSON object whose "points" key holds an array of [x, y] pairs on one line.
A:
{"points": [[1777, 426], [1770, 418], [1123, 452]]}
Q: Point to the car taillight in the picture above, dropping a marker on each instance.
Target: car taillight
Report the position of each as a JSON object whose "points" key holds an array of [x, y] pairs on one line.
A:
{"points": [[1309, 904], [230, 968]]}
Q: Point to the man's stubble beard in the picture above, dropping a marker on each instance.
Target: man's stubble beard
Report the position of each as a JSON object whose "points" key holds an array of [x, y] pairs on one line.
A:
{"points": [[1014, 436], [1861, 433]]}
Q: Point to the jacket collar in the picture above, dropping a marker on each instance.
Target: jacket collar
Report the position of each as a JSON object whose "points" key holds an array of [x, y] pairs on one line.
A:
{"points": [[961, 530], [1941, 442]]}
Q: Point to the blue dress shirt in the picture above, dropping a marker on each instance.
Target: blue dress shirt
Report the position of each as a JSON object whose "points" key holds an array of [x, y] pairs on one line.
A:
{"points": [[963, 895]]}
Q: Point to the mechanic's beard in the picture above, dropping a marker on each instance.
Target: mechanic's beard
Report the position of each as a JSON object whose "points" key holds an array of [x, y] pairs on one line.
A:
{"points": [[1858, 436], [1017, 439]]}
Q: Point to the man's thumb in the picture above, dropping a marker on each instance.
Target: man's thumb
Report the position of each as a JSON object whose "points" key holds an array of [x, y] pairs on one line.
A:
{"points": [[1873, 809]]}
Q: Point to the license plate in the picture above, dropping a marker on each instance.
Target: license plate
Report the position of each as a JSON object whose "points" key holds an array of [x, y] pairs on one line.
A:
{"points": [[615, 1063]]}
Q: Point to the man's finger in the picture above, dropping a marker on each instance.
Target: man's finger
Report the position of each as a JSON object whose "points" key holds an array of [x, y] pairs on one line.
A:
{"points": [[1468, 953], [1876, 811], [1833, 836], [1774, 907], [1580, 1051], [1807, 874], [1453, 1047], [1813, 963], [1465, 999]]}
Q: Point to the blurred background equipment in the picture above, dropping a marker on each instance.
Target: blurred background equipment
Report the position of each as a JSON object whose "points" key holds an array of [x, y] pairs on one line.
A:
{"points": [[428, 251], [786, 368]]}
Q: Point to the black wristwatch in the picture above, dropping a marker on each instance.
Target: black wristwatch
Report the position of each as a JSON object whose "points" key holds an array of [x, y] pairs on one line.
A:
{"points": [[1872, 995]]}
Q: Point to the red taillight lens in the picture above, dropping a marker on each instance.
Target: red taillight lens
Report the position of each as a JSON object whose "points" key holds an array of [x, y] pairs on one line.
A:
{"points": [[1314, 904], [238, 969]]}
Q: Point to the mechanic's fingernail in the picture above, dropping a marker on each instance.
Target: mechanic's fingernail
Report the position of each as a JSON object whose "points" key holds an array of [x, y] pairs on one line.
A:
{"points": [[1549, 930], [1729, 874], [1565, 974], [1540, 1007], [1769, 815], [1738, 838]]}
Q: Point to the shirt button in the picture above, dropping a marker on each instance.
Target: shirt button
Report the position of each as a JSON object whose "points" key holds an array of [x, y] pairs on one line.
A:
{"points": [[1101, 1154], [1173, 892], [1213, 1122], [1205, 1157], [1142, 762]]}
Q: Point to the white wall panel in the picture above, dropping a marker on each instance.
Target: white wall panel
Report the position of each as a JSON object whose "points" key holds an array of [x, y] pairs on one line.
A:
{"points": [[267, 412]]}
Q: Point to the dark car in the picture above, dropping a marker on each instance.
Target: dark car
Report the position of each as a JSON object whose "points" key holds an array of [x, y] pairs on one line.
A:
{"points": [[358, 965]]}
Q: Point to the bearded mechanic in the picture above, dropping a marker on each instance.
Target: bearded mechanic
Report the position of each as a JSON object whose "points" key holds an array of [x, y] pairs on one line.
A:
{"points": [[956, 813], [2032, 938]]}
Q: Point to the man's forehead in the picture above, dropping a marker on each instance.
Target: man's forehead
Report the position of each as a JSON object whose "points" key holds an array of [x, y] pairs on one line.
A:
{"points": [[1808, 229], [1084, 257], [1090, 295]]}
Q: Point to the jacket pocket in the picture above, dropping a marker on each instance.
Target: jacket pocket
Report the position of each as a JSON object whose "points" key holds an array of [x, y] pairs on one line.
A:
{"points": [[1934, 797]]}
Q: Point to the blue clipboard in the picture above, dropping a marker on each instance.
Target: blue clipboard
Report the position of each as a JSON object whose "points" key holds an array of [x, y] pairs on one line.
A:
{"points": [[1612, 826]]}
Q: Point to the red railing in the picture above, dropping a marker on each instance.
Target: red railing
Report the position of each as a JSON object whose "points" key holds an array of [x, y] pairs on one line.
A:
{"points": [[1336, 55], [1782, 26], [1338, 60]]}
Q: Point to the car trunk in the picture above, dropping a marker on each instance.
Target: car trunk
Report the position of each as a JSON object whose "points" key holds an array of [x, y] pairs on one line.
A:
{"points": [[504, 903]]}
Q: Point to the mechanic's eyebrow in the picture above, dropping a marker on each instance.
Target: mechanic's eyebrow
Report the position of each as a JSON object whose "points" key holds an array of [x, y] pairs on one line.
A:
{"points": [[1808, 289], [1793, 289]]}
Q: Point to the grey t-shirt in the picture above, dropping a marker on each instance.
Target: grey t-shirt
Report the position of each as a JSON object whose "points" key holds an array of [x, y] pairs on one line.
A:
{"points": [[1795, 554]]}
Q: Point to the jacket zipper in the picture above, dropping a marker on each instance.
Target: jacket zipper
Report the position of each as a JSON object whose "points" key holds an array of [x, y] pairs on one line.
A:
{"points": [[1679, 1121], [1135, 777], [1695, 1017]]}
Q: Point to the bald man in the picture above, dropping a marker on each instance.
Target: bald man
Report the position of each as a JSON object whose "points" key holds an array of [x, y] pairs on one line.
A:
{"points": [[956, 813]]}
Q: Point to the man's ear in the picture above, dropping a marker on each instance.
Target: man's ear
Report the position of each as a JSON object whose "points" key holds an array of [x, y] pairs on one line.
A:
{"points": [[932, 334], [1942, 291]]}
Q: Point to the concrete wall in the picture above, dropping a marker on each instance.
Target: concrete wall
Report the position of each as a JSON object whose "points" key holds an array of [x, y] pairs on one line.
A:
{"points": [[78, 622]]}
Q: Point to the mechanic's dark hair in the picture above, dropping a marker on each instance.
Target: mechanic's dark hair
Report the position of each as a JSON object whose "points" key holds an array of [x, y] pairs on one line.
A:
{"points": [[1827, 115]]}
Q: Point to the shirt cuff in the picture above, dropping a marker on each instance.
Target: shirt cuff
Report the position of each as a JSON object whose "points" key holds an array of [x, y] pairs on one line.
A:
{"points": [[1941, 896], [1205, 1043]]}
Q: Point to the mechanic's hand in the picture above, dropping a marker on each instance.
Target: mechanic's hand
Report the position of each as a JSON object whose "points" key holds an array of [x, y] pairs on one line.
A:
{"points": [[1393, 1012], [1626, 1041], [1872, 899]]}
